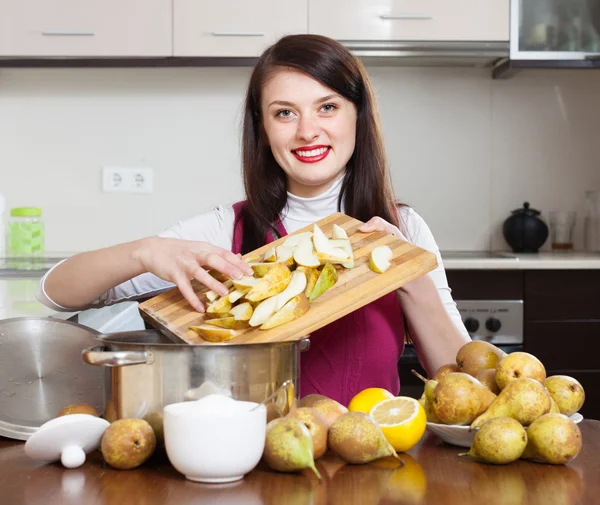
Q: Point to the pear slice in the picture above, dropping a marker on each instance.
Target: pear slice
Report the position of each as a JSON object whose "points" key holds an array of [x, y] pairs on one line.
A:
{"points": [[213, 295], [320, 240], [296, 286], [214, 333], [304, 254], [262, 269], [220, 306], [270, 255], [228, 322], [294, 240], [242, 312], [273, 283], [293, 309], [379, 260], [327, 279], [246, 283], [343, 244], [339, 232], [312, 274], [263, 311], [235, 295], [285, 255]]}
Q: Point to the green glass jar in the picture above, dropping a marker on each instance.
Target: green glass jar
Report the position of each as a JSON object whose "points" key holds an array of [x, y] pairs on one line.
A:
{"points": [[25, 232]]}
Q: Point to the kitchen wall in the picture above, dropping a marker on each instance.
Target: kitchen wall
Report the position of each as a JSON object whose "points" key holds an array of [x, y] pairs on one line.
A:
{"points": [[464, 149]]}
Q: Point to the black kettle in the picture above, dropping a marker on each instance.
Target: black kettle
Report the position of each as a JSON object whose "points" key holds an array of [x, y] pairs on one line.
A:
{"points": [[524, 231]]}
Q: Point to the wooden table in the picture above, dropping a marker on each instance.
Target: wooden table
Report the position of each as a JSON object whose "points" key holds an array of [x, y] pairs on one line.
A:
{"points": [[433, 474]]}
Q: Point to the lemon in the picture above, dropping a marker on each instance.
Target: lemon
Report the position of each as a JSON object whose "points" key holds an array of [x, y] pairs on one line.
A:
{"points": [[367, 399], [402, 420], [409, 481]]}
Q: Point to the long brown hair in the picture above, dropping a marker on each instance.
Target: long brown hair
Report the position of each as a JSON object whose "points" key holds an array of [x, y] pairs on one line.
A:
{"points": [[366, 188]]}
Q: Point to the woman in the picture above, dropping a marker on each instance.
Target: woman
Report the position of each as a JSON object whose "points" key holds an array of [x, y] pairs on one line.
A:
{"points": [[311, 146]]}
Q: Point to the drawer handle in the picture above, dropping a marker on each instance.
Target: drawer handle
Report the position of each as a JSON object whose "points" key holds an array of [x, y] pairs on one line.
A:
{"points": [[406, 16], [238, 34], [67, 33]]}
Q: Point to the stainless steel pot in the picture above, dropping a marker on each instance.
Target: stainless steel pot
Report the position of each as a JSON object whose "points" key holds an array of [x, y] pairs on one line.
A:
{"points": [[149, 371]]}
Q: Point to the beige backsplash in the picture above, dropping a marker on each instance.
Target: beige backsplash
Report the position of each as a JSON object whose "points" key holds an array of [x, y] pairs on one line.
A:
{"points": [[464, 149]]}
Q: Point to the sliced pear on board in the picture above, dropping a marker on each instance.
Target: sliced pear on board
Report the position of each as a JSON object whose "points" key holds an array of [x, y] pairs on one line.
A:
{"points": [[285, 255], [379, 260], [339, 232], [262, 269], [220, 306], [242, 312], [320, 240], [273, 283], [214, 333], [296, 286], [263, 311], [213, 295], [304, 254], [228, 322], [293, 240], [327, 279], [246, 283], [235, 295], [312, 274], [293, 309], [270, 255]]}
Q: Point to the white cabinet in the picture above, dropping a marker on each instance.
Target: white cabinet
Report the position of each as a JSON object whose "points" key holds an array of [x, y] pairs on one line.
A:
{"points": [[80, 28], [410, 20], [234, 27]]}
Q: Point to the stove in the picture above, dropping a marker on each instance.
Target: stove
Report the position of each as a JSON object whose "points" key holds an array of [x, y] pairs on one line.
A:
{"points": [[499, 322]]}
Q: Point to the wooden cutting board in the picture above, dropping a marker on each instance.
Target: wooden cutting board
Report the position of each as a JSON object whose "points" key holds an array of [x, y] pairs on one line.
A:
{"points": [[356, 287]]}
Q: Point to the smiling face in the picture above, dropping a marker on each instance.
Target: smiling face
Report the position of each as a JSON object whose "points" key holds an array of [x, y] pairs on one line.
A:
{"points": [[311, 130]]}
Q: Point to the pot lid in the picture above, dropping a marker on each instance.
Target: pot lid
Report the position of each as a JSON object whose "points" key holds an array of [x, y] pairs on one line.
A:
{"points": [[526, 210], [42, 371]]}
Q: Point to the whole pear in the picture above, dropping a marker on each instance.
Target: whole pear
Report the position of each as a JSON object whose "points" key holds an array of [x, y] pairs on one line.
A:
{"points": [[317, 426], [522, 399], [499, 441], [426, 399], [488, 379], [459, 398], [357, 438], [478, 355], [78, 408], [553, 407], [567, 392], [519, 365], [554, 439], [445, 369], [289, 446], [329, 409], [308, 400], [127, 443]]}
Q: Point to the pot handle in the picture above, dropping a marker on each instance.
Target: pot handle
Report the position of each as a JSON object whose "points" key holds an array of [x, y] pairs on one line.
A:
{"points": [[100, 357], [304, 344]]}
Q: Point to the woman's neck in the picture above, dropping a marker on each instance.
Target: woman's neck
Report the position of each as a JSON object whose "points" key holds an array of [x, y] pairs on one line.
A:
{"points": [[303, 209]]}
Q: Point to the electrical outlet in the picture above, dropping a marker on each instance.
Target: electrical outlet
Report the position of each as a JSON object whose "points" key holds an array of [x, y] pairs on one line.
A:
{"points": [[127, 180]]}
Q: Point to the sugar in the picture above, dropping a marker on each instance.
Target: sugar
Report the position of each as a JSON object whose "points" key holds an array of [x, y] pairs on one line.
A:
{"points": [[219, 404]]}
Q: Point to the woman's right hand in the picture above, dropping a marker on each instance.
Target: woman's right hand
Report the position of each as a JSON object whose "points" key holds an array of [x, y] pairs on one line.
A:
{"points": [[179, 261]]}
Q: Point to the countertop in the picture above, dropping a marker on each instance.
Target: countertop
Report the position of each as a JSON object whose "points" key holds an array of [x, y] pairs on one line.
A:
{"points": [[433, 474], [498, 260]]}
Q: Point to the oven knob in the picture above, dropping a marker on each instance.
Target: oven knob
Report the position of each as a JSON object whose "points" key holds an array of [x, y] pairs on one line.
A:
{"points": [[493, 324], [471, 324]]}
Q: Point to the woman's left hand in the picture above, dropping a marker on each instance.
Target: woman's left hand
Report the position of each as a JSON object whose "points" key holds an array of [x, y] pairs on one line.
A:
{"points": [[379, 224]]}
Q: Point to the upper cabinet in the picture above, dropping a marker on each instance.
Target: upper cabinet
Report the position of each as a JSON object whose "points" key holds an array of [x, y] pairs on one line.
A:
{"points": [[234, 27], [410, 20], [81, 28]]}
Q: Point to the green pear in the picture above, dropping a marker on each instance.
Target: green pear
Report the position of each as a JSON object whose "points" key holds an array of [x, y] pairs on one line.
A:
{"points": [[357, 438], [478, 355], [567, 392], [554, 439], [289, 446], [326, 280], [519, 365], [459, 398], [522, 399], [499, 441]]}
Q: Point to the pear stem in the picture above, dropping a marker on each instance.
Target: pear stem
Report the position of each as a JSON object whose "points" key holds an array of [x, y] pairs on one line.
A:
{"points": [[464, 454], [314, 469], [419, 375]]}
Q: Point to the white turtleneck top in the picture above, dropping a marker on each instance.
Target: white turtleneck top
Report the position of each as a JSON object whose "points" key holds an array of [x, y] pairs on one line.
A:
{"points": [[216, 227]]}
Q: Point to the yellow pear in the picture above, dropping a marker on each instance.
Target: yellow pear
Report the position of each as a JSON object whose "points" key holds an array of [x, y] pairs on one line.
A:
{"points": [[270, 256], [488, 379], [128, 443], [459, 398], [327, 279], [499, 441], [567, 392], [263, 311], [220, 306], [262, 269], [357, 438], [338, 232], [312, 275], [214, 333], [519, 365], [317, 426], [242, 312], [426, 399], [235, 295], [295, 308], [444, 370], [379, 259], [310, 400], [304, 254], [320, 240], [522, 399], [292, 241], [285, 255], [478, 355], [328, 408], [78, 408], [228, 322], [554, 439], [246, 283], [273, 283], [296, 286]]}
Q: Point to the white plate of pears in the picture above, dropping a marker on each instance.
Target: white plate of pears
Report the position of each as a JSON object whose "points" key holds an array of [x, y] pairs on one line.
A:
{"points": [[487, 383]]}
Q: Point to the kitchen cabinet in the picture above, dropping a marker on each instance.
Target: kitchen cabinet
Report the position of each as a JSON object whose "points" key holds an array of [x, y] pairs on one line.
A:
{"points": [[410, 20], [85, 28], [233, 28]]}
